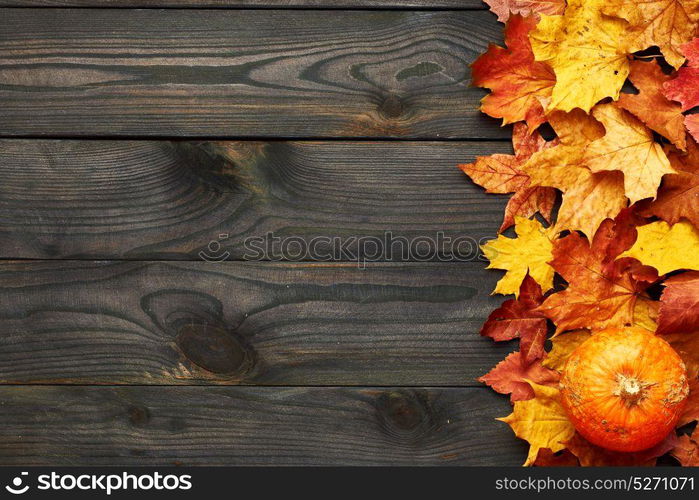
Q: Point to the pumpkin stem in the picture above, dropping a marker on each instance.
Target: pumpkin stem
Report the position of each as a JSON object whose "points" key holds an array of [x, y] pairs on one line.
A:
{"points": [[630, 389]]}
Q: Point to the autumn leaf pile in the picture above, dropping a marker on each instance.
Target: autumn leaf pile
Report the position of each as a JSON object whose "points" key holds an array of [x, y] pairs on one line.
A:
{"points": [[605, 213]]}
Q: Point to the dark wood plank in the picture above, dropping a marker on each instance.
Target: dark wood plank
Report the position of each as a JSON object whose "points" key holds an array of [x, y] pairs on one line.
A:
{"points": [[280, 4], [245, 323], [161, 200], [254, 426], [244, 73]]}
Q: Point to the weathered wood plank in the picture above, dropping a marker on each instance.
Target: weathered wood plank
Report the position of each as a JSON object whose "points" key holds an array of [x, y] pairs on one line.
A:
{"points": [[280, 4], [161, 200], [243, 73], [245, 323], [254, 426]]}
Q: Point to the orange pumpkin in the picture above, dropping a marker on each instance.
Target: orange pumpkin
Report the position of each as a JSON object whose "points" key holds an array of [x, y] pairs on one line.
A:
{"points": [[624, 389]]}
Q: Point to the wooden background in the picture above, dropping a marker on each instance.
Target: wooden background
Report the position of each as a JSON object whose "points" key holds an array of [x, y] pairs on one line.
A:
{"points": [[135, 133]]}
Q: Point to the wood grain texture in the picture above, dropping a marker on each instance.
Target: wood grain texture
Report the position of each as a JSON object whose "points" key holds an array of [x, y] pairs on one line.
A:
{"points": [[254, 426], [245, 323], [243, 73], [162, 200], [279, 4]]}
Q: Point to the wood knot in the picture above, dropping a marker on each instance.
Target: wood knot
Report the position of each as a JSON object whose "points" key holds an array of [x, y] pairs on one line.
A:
{"points": [[391, 107], [401, 411], [138, 415], [214, 349]]}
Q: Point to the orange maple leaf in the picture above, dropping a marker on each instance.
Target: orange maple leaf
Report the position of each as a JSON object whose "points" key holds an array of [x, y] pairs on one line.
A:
{"points": [[651, 106], [664, 23], [685, 87], [502, 174], [678, 197], [602, 292], [505, 8], [510, 376], [588, 197], [519, 84]]}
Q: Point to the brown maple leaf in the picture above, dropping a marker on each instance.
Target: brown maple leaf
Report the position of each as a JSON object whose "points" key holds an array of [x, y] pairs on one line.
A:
{"points": [[602, 292], [505, 8], [519, 84], [686, 451], [511, 376], [685, 87], [678, 197], [651, 106], [517, 318], [502, 174], [679, 304]]}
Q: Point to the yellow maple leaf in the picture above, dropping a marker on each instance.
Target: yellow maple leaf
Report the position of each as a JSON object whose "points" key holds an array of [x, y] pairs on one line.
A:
{"points": [[541, 421], [588, 197], [529, 252], [563, 345], [587, 51], [664, 23], [628, 146], [666, 248]]}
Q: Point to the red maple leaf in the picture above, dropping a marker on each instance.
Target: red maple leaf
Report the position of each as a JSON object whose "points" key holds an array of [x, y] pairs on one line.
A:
{"points": [[602, 292], [510, 377], [519, 84], [518, 318], [685, 87]]}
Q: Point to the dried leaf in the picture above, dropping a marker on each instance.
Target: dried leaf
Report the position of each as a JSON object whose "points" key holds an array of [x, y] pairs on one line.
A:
{"points": [[563, 345], [691, 409], [587, 51], [601, 293], [505, 8], [516, 318], [663, 23], [502, 174], [588, 198], [679, 304], [546, 458], [510, 376], [520, 85], [651, 106], [528, 253], [590, 455], [686, 451], [666, 248], [628, 146], [541, 421], [685, 87], [678, 197]]}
